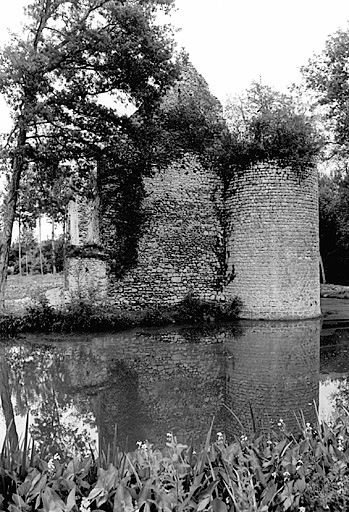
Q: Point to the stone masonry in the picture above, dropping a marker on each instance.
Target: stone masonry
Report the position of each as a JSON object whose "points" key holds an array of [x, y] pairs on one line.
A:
{"points": [[273, 243], [179, 248], [87, 276], [268, 256]]}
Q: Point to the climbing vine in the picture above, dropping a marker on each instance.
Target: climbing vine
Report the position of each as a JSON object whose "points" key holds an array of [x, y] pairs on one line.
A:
{"points": [[121, 193]]}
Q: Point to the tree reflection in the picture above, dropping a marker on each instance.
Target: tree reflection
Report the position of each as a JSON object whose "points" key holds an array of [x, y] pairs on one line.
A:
{"points": [[40, 384], [6, 402]]}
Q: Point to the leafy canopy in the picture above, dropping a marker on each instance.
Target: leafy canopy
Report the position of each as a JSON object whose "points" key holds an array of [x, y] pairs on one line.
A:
{"points": [[268, 125], [72, 54], [327, 77]]}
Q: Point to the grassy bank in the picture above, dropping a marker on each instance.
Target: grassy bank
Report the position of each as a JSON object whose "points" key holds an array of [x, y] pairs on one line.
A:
{"points": [[82, 315], [266, 472]]}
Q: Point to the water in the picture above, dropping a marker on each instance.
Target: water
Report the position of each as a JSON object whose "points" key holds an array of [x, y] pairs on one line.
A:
{"points": [[152, 381]]}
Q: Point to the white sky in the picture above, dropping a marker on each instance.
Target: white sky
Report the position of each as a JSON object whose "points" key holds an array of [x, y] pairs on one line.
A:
{"points": [[232, 42]]}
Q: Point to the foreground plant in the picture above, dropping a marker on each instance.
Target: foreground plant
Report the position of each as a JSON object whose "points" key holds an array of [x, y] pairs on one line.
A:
{"points": [[273, 471]]}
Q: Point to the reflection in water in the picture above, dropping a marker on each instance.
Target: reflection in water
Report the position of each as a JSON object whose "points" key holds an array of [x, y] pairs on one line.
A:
{"points": [[273, 372], [149, 382]]}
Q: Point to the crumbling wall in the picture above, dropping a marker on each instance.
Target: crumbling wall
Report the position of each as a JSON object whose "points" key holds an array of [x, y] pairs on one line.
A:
{"points": [[180, 245], [86, 267]]}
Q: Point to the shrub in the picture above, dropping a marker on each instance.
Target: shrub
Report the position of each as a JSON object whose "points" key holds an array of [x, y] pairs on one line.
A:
{"points": [[40, 315], [193, 309]]}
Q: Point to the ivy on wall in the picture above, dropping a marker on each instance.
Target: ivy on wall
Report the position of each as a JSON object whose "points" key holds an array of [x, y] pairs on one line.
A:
{"points": [[121, 193]]}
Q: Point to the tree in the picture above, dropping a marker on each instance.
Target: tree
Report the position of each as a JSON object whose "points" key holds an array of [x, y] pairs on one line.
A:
{"points": [[327, 78], [334, 224], [268, 125], [72, 53]]}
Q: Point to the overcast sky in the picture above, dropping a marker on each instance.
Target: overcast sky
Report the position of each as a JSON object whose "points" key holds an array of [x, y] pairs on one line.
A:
{"points": [[232, 42]]}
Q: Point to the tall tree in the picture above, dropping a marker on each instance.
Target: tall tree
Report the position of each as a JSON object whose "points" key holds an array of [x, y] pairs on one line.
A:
{"points": [[327, 78], [72, 53]]}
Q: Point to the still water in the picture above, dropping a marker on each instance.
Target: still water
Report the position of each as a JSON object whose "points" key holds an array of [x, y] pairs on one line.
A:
{"points": [[151, 381]]}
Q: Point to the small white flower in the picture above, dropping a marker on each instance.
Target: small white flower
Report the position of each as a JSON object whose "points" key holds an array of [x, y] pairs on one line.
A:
{"points": [[51, 466], [139, 444], [220, 437], [85, 505], [243, 438], [301, 509], [299, 464], [286, 475]]}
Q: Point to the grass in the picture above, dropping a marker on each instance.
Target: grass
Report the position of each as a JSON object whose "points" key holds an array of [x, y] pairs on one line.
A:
{"points": [[18, 287], [274, 471], [93, 315]]}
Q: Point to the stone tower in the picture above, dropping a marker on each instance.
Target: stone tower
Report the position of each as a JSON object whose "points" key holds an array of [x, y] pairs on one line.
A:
{"points": [[273, 242]]}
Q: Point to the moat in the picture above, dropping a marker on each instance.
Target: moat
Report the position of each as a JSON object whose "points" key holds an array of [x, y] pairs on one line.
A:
{"points": [[148, 382]]}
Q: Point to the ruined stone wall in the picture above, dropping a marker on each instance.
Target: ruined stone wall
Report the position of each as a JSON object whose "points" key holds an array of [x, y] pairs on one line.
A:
{"points": [[272, 247], [87, 277], [86, 274], [178, 250]]}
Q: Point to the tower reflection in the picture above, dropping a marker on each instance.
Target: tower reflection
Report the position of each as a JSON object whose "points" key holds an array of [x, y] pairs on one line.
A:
{"points": [[151, 381], [272, 373]]}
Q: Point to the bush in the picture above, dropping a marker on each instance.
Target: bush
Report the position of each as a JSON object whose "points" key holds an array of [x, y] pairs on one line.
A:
{"points": [[40, 315], [89, 315], [193, 309], [10, 326]]}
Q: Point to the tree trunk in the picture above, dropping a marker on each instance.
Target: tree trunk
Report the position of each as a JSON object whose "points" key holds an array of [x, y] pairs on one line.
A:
{"points": [[322, 269], [65, 248], [10, 209], [40, 248], [54, 270], [19, 246]]}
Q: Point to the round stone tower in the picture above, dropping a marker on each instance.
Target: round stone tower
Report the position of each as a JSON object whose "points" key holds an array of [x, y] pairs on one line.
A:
{"points": [[273, 242]]}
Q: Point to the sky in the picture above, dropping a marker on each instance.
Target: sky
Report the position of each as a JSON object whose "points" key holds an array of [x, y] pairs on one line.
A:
{"points": [[233, 42]]}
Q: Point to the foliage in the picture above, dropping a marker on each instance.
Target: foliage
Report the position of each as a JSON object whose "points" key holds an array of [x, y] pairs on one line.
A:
{"points": [[10, 325], [30, 247], [269, 471], [327, 77], [90, 315], [268, 125], [334, 222], [194, 309]]}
